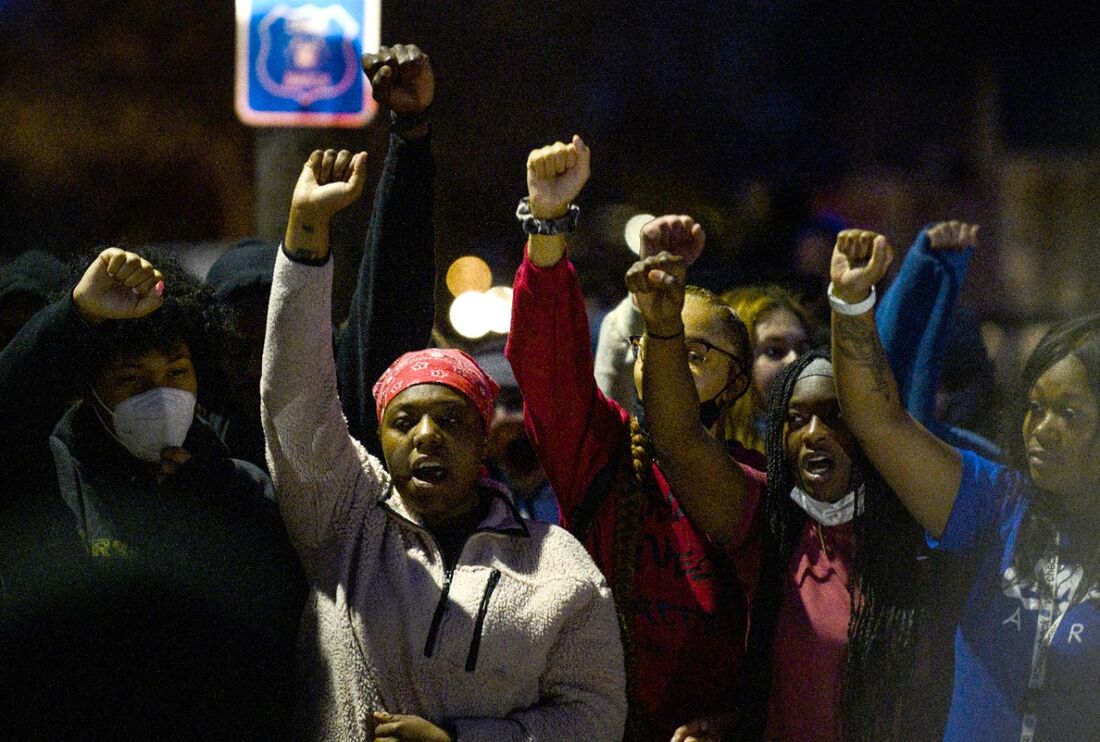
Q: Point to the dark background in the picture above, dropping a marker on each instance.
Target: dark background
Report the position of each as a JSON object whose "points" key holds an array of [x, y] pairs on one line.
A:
{"points": [[117, 125]]}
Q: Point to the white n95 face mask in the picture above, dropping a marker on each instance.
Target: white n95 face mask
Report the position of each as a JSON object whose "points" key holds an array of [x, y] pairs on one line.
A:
{"points": [[147, 423]]}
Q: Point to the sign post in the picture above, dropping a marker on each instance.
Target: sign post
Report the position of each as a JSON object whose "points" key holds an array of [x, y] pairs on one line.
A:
{"points": [[298, 61]]}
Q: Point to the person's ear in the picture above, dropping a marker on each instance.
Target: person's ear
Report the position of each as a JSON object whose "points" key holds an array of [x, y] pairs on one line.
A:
{"points": [[737, 386]]}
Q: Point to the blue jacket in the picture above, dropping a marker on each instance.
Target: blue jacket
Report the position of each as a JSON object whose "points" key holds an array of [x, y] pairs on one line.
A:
{"points": [[920, 303]]}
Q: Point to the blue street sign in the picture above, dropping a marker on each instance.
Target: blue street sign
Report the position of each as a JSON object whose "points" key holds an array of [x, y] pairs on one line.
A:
{"points": [[298, 62]]}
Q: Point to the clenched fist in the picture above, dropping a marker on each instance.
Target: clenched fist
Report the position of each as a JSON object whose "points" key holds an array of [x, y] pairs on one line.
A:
{"points": [[657, 285], [555, 176], [860, 260], [118, 285], [401, 78], [330, 181], [953, 235], [676, 234]]}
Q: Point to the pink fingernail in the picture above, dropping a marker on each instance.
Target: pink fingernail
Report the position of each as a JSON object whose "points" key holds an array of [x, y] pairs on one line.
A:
{"points": [[159, 288]]}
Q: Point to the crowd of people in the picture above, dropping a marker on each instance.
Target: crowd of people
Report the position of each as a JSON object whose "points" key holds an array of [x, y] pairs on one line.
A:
{"points": [[225, 517]]}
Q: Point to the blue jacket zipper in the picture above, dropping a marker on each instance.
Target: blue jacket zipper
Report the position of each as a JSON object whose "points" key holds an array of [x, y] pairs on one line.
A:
{"points": [[475, 643]]}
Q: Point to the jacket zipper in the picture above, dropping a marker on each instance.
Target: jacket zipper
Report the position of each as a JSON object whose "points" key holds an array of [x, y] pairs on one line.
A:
{"points": [[475, 643], [437, 617]]}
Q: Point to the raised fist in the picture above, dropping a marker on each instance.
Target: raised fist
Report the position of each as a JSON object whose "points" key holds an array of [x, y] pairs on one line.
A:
{"points": [[657, 285], [860, 260], [401, 78], [119, 285], [676, 234], [953, 235], [555, 176], [330, 181]]}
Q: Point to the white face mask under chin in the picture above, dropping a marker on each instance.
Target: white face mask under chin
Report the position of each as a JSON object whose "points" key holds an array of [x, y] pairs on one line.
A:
{"points": [[147, 423], [829, 513]]}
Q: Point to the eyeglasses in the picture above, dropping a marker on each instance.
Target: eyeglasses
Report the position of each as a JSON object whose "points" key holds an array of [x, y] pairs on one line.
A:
{"points": [[697, 351]]}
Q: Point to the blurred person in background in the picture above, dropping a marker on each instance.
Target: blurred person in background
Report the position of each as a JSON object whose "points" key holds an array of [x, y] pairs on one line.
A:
{"points": [[28, 282], [512, 459], [780, 329], [241, 279]]}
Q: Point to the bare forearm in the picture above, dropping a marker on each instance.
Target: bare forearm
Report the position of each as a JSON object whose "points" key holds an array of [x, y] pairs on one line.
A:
{"points": [[546, 250], [865, 383], [707, 482], [923, 470], [668, 390], [307, 236]]}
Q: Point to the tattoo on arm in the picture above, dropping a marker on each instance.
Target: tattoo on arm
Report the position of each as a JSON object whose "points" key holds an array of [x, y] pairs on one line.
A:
{"points": [[858, 342]]}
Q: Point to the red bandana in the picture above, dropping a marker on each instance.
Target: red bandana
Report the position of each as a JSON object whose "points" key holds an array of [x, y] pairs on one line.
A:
{"points": [[448, 367]]}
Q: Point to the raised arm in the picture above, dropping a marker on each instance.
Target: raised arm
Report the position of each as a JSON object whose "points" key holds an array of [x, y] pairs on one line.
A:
{"points": [[923, 470], [614, 352], [314, 462], [572, 426], [43, 369], [914, 315], [709, 484], [398, 264]]}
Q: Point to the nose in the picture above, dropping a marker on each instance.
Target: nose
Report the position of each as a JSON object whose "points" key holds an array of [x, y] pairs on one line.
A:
{"points": [[426, 434], [791, 357], [1043, 428], [816, 430]]}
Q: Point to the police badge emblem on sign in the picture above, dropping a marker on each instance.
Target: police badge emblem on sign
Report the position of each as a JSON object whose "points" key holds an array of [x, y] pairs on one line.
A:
{"points": [[298, 62]]}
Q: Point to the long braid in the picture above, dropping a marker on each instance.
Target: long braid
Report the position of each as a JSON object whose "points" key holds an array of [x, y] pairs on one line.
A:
{"points": [[885, 609], [782, 526], [633, 481]]}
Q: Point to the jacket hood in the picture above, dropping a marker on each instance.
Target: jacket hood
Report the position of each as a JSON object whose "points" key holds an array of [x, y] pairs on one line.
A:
{"points": [[247, 264], [34, 272]]}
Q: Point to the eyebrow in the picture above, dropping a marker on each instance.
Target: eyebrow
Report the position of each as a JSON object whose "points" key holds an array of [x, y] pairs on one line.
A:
{"points": [[438, 405]]}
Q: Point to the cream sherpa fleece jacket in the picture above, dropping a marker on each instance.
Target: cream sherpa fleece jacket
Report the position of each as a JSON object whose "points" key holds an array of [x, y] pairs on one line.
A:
{"points": [[520, 642]]}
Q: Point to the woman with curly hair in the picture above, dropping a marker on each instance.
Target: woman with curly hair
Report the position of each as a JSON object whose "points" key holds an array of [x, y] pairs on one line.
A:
{"points": [[150, 588]]}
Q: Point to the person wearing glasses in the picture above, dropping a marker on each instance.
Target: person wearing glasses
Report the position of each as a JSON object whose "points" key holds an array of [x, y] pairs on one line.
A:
{"points": [[644, 518]]}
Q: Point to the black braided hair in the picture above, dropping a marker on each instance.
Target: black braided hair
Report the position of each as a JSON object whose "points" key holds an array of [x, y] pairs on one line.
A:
{"points": [[1079, 337], [882, 583]]}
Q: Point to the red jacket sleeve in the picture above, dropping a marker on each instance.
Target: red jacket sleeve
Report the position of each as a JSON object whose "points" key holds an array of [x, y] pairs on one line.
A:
{"points": [[573, 427]]}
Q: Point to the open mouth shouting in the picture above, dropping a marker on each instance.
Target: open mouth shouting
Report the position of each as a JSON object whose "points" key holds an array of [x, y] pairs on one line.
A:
{"points": [[428, 472], [817, 467]]}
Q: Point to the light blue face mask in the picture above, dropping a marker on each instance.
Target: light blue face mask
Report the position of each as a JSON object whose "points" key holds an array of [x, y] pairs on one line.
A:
{"points": [[830, 513], [847, 507], [152, 421]]}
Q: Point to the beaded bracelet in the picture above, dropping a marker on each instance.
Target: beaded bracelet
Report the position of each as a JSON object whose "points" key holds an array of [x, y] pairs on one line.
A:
{"points": [[531, 224]]}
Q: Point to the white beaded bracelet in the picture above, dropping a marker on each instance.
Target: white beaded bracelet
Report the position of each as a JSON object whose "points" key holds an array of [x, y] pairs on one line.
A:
{"points": [[851, 310]]}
